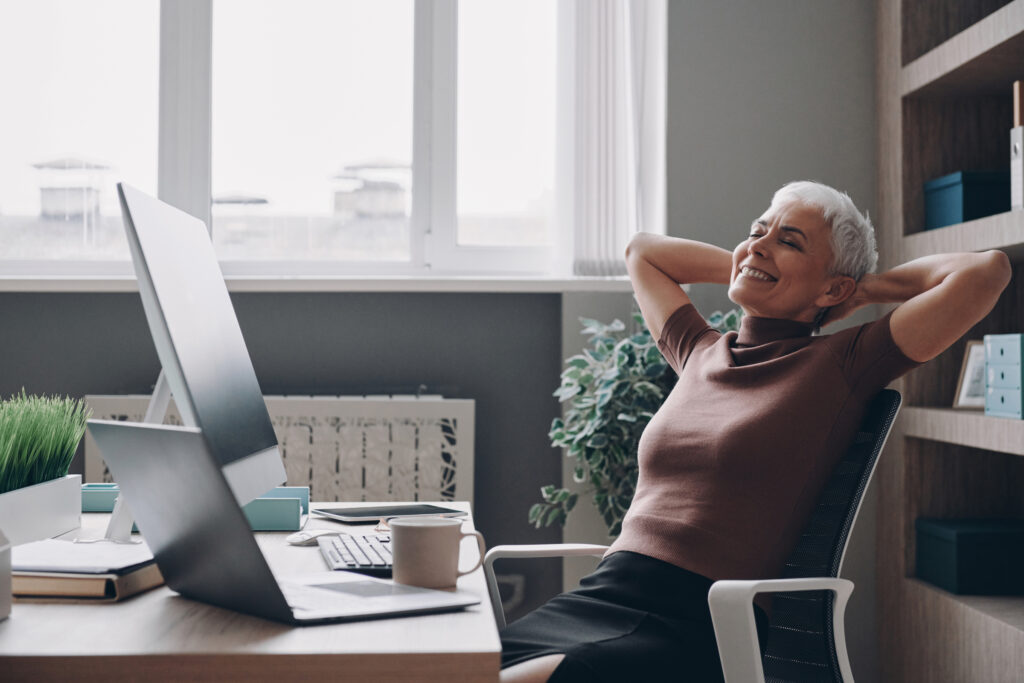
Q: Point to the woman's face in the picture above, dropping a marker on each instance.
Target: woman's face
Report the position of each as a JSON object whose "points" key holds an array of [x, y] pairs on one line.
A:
{"points": [[781, 269]]}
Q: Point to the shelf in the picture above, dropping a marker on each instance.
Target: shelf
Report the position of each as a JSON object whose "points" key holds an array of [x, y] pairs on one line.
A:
{"points": [[1004, 610], [964, 428], [983, 59], [1002, 231]]}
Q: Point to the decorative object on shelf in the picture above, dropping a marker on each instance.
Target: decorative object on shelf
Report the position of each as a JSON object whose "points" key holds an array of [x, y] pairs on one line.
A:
{"points": [[5, 577], [965, 196], [972, 556], [1003, 375], [38, 439], [1017, 151], [613, 390], [970, 388]]}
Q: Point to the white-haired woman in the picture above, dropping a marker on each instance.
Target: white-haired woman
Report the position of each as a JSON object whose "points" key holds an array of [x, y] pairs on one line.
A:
{"points": [[735, 459]]}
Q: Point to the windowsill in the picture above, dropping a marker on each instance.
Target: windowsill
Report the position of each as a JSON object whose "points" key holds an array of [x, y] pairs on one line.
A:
{"points": [[411, 284]]}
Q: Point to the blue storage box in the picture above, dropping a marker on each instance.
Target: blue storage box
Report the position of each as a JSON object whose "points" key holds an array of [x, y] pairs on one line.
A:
{"points": [[965, 196], [1004, 377], [972, 556]]}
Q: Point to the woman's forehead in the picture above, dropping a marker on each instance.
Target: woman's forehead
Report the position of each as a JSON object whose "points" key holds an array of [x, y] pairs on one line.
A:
{"points": [[806, 217]]}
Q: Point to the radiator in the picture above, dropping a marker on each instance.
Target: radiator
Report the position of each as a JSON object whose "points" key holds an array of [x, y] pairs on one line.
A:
{"points": [[345, 448]]}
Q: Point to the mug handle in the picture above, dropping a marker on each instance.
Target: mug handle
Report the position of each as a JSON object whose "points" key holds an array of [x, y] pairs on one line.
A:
{"points": [[479, 560]]}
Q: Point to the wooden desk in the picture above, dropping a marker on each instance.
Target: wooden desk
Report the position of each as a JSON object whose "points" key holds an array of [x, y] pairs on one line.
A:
{"points": [[159, 635]]}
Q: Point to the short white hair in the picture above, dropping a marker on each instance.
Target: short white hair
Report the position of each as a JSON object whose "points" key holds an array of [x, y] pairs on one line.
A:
{"points": [[854, 252]]}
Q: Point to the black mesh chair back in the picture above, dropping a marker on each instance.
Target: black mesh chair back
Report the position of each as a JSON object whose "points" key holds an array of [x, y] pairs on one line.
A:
{"points": [[800, 647]]}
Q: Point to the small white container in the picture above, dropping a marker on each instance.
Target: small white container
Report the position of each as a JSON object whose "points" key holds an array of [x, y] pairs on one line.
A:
{"points": [[42, 511], [5, 577]]}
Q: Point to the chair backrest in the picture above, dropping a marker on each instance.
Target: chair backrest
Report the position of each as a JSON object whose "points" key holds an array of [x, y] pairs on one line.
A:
{"points": [[800, 646]]}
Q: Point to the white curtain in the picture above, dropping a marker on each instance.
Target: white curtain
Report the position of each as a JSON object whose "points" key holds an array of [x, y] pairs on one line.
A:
{"points": [[618, 162]]}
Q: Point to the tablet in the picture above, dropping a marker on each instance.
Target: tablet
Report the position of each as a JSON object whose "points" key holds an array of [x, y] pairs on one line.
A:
{"points": [[379, 512]]}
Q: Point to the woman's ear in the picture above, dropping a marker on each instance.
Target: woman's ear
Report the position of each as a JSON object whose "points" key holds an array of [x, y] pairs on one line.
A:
{"points": [[840, 288]]}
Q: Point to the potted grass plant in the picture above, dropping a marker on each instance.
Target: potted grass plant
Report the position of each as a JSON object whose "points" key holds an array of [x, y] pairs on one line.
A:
{"points": [[38, 439]]}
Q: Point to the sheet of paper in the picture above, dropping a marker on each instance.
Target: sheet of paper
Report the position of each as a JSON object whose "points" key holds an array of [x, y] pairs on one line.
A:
{"points": [[101, 557]]}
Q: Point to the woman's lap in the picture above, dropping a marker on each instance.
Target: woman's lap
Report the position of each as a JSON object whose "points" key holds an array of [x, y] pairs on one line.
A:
{"points": [[634, 618]]}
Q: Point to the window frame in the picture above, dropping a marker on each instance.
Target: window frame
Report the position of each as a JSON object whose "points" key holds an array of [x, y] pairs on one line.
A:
{"points": [[184, 159]]}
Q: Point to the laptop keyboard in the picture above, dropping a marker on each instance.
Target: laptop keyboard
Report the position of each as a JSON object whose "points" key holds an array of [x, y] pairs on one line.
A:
{"points": [[369, 554]]}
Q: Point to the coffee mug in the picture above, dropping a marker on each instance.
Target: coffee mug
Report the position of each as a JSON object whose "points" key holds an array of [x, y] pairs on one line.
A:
{"points": [[426, 551]]}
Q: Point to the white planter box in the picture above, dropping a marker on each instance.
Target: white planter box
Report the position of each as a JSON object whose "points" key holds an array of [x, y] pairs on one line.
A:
{"points": [[42, 511]]}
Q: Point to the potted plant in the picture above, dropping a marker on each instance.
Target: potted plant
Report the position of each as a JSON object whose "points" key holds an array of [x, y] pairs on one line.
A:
{"points": [[613, 388], [38, 440]]}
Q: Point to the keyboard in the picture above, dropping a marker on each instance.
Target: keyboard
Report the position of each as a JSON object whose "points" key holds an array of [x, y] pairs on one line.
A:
{"points": [[369, 554]]}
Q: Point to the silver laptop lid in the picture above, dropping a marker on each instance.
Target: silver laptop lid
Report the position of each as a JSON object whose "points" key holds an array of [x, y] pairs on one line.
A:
{"points": [[199, 535], [199, 342]]}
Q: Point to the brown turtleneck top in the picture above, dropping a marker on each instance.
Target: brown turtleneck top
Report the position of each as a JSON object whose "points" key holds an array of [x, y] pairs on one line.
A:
{"points": [[734, 461]]}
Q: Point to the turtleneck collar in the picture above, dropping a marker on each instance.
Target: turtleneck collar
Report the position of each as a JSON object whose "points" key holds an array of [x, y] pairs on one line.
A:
{"points": [[755, 331]]}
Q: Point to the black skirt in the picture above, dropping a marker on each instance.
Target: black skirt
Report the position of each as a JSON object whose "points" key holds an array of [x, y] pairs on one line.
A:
{"points": [[634, 619]]}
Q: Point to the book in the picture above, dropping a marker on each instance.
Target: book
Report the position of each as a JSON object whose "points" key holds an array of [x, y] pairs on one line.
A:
{"points": [[102, 571], [94, 587]]}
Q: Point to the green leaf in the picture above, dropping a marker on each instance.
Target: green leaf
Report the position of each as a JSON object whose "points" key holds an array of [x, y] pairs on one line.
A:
{"points": [[535, 511], [577, 362]]}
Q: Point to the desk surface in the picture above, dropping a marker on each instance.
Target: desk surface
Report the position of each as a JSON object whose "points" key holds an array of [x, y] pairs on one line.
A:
{"points": [[159, 635]]}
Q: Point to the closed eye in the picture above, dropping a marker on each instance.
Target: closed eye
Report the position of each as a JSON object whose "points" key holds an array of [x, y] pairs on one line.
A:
{"points": [[788, 243]]}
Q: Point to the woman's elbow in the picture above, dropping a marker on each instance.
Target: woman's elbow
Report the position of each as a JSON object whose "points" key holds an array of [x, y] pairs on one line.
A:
{"points": [[635, 246], [988, 276], [997, 268]]}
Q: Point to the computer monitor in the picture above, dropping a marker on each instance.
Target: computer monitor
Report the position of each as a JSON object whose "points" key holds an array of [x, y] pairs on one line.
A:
{"points": [[199, 342]]}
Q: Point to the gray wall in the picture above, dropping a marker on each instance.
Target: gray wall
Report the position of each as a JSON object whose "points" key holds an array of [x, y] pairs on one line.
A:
{"points": [[761, 93], [503, 350]]}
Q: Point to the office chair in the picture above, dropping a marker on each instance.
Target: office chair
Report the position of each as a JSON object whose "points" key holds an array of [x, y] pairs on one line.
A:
{"points": [[807, 639]]}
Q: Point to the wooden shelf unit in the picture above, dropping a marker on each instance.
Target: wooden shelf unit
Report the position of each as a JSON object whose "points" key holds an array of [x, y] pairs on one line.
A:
{"points": [[945, 71]]}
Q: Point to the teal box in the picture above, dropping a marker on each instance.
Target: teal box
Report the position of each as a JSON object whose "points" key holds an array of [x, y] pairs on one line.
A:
{"points": [[972, 556], [98, 497], [284, 508], [1004, 377], [965, 196]]}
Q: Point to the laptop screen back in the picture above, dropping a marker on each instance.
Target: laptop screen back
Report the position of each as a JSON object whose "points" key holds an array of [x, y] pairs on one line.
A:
{"points": [[199, 342]]}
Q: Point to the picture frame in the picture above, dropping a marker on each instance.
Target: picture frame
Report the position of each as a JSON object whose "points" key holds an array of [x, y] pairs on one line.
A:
{"points": [[970, 387]]}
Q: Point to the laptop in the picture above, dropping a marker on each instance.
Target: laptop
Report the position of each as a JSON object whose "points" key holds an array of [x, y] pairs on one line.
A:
{"points": [[206, 550], [185, 485]]}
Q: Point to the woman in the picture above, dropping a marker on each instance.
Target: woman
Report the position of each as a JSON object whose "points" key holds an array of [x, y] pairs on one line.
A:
{"points": [[735, 459]]}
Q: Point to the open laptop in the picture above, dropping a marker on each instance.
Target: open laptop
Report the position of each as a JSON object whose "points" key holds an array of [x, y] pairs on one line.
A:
{"points": [[205, 549], [185, 485]]}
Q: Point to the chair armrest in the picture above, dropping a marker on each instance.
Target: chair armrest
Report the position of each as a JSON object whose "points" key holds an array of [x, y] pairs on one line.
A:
{"points": [[732, 613], [544, 550]]}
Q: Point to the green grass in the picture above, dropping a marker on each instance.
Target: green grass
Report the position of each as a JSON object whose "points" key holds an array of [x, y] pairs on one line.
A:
{"points": [[38, 438]]}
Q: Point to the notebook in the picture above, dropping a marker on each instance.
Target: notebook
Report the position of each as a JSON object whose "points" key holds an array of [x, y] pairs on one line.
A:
{"points": [[64, 570]]}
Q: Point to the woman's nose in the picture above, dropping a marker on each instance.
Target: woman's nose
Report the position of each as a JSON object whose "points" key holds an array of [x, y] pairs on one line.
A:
{"points": [[759, 245]]}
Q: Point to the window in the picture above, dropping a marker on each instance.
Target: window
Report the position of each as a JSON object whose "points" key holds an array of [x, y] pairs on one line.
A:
{"points": [[312, 130], [506, 122], [315, 137], [79, 87]]}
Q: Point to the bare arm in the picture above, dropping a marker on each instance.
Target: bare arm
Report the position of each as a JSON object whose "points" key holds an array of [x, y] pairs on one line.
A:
{"points": [[942, 296], [657, 265]]}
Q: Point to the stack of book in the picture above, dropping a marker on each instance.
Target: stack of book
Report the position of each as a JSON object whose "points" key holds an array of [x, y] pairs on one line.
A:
{"points": [[101, 571]]}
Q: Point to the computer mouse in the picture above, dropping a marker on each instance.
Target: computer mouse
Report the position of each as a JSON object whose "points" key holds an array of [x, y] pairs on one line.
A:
{"points": [[308, 537]]}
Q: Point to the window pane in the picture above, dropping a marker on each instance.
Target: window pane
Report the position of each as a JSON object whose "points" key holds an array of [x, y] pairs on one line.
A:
{"points": [[312, 129], [79, 86], [506, 121]]}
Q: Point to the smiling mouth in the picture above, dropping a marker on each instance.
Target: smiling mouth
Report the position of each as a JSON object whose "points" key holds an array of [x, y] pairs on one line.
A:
{"points": [[756, 274]]}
